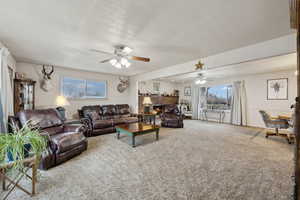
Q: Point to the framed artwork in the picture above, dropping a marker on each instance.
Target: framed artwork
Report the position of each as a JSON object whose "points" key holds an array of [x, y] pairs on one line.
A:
{"points": [[187, 91], [277, 89], [74, 88], [156, 87]]}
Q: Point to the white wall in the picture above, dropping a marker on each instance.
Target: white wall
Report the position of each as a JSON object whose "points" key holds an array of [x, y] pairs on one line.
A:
{"points": [[11, 60], [165, 87], [47, 99], [256, 91]]}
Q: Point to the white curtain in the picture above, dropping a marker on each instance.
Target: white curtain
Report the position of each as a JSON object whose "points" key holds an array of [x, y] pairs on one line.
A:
{"points": [[6, 100], [198, 101], [195, 101], [238, 104]]}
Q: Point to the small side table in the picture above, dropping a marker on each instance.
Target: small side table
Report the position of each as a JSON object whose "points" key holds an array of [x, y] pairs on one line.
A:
{"points": [[29, 163]]}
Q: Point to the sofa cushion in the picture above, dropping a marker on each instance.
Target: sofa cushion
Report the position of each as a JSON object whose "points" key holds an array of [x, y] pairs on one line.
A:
{"points": [[108, 110], [130, 119], [123, 109], [118, 121], [87, 109], [102, 124], [126, 115], [94, 115], [41, 118], [66, 141]]}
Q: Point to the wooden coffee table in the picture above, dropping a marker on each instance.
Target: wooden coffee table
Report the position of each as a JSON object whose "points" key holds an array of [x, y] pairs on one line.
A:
{"points": [[136, 129]]}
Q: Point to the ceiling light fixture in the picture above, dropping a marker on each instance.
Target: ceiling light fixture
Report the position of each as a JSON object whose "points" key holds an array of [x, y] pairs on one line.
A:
{"points": [[127, 50], [120, 63], [200, 82], [113, 61]]}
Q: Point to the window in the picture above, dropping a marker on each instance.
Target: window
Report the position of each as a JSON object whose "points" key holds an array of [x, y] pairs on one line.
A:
{"points": [[83, 89], [219, 97]]}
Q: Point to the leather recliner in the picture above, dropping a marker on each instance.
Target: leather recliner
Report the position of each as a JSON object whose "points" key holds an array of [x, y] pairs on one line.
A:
{"points": [[172, 117], [103, 119], [64, 141]]}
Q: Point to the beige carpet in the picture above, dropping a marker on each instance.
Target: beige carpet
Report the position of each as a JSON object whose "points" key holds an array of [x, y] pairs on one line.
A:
{"points": [[203, 161]]}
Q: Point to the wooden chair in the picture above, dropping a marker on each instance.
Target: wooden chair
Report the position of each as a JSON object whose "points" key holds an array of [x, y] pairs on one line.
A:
{"points": [[275, 123], [13, 182]]}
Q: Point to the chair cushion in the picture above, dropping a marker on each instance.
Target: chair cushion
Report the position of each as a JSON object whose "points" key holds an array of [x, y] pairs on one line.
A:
{"points": [[171, 117], [172, 108], [54, 130], [102, 124], [66, 141], [42, 118]]}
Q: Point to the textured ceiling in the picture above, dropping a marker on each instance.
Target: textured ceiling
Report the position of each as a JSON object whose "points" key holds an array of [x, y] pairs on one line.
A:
{"points": [[61, 32]]}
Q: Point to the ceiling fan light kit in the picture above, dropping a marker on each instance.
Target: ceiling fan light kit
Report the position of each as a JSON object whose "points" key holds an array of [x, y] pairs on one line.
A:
{"points": [[120, 63], [200, 82], [121, 57]]}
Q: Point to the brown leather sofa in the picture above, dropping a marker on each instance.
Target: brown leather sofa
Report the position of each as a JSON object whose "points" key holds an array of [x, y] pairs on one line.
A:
{"points": [[172, 117], [65, 141], [103, 119]]}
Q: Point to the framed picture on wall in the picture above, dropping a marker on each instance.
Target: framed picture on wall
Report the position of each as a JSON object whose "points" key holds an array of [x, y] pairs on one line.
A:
{"points": [[277, 89], [156, 87], [187, 91]]}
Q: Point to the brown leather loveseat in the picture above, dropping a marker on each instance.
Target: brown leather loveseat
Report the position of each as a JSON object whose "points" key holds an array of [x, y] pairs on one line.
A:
{"points": [[103, 119], [65, 141]]}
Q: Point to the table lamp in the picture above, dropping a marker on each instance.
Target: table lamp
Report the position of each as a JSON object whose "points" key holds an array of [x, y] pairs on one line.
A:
{"points": [[60, 102], [147, 102]]}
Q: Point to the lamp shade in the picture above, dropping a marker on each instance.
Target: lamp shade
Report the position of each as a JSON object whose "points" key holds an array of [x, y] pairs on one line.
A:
{"points": [[147, 101], [62, 101]]}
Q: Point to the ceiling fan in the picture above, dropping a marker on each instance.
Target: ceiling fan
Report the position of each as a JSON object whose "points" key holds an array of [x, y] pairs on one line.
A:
{"points": [[120, 56], [201, 79]]}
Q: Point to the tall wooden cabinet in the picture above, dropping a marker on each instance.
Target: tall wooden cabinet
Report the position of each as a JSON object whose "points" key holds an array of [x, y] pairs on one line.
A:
{"points": [[24, 95]]}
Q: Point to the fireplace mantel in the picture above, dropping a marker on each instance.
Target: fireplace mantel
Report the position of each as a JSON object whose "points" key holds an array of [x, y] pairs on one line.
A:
{"points": [[158, 100]]}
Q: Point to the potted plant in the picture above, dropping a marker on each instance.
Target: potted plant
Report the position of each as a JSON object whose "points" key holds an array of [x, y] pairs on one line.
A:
{"points": [[20, 144]]}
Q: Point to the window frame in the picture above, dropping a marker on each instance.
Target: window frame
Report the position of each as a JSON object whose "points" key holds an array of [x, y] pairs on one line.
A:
{"points": [[226, 106], [85, 96]]}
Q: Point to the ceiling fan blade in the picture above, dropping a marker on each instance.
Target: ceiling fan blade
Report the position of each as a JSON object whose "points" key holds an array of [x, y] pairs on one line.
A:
{"points": [[139, 58], [106, 60], [99, 51]]}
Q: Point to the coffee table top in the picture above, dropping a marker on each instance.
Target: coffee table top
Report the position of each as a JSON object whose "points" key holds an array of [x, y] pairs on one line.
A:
{"points": [[138, 127]]}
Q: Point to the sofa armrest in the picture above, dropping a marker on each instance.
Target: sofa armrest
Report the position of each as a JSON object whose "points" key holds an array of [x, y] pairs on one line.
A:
{"points": [[13, 123], [73, 128], [88, 126]]}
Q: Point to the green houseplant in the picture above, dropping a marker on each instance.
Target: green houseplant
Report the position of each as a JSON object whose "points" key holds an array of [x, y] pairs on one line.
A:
{"points": [[21, 143]]}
